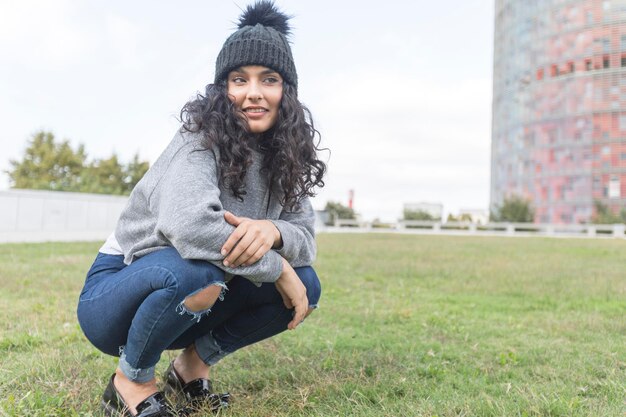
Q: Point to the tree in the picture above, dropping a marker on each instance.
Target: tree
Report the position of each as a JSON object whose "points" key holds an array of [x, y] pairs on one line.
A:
{"points": [[418, 215], [133, 172], [104, 176], [465, 217], [514, 209], [48, 165], [603, 215], [337, 210]]}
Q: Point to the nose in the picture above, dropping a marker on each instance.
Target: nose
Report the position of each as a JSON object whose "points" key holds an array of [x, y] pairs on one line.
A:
{"points": [[254, 91]]}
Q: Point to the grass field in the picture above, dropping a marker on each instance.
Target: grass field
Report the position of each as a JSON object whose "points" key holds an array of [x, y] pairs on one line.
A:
{"points": [[407, 326]]}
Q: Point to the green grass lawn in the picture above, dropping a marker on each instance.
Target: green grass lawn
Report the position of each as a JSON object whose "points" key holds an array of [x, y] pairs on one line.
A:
{"points": [[407, 326]]}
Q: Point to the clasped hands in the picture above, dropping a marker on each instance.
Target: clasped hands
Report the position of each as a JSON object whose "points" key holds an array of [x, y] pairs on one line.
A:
{"points": [[252, 239]]}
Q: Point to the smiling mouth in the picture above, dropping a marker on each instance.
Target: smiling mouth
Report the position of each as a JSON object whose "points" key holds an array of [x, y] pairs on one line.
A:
{"points": [[255, 110]]}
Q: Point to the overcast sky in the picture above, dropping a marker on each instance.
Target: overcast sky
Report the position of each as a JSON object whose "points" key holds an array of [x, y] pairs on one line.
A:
{"points": [[400, 90]]}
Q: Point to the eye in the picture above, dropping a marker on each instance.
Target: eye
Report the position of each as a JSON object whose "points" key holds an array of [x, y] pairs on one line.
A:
{"points": [[271, 80], [238, 80]]}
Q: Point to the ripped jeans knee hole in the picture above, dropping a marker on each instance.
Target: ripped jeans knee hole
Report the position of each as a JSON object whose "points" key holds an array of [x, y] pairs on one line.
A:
{"points": [[200, 302]]}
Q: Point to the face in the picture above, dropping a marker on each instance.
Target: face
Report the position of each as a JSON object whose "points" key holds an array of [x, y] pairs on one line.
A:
{"points": [[256, 91]]}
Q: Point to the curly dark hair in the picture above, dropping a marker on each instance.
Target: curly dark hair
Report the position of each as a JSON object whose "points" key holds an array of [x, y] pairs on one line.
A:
{"points": [[289, 148]]}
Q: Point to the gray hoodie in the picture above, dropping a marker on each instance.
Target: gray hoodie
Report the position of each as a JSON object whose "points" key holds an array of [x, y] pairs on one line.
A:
{"points": [[179, 203]]}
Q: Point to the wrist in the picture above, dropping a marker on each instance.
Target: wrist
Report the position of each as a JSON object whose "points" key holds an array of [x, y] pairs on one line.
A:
{"points": [[287, 268], [278, 241], [284, 268]]}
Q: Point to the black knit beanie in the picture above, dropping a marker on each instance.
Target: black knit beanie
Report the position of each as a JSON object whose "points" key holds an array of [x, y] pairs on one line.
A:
{"points": [[261, 39]]}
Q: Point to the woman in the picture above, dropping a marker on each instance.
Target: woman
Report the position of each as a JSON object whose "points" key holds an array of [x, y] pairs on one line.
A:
{"points": [[213, 251]]}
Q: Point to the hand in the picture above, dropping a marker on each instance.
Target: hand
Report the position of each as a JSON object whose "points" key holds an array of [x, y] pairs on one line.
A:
{"points": [[250, 241], [293, 292]]}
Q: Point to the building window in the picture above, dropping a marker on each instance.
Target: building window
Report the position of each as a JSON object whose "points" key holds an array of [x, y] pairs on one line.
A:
{"points": [[597, 184], [540, 73], [623, 60], [570, 67], [554, 70], [606, 62], [588, 65], [614, 187]]}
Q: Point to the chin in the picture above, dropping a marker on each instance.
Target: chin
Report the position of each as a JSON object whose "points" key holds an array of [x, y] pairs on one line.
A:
{"points": [[258, 129]]}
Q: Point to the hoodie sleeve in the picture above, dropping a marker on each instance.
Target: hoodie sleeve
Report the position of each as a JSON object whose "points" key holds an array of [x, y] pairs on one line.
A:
{"points": [[190, 215], [298, 235]]}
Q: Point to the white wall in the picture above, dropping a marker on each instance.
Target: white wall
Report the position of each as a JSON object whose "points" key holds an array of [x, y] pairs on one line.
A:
{"points": [[40, 216], [45, 216]]}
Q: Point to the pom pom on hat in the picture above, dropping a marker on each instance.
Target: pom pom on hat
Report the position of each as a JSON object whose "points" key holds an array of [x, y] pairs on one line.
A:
{"points": [[266, 14], [261, 39]]}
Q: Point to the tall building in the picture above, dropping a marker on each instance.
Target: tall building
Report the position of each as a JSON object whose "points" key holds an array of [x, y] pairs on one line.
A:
{"points": [[559, 106]]}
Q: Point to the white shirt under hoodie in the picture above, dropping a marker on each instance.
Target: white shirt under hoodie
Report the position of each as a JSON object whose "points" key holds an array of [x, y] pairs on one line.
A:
{"points": [[178, 203]]}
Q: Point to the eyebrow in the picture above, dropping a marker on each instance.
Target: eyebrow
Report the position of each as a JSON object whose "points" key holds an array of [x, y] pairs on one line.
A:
{"points": [[264, 72]]}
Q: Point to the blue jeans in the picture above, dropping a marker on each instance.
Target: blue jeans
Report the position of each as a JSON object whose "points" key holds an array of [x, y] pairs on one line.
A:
{"points": [[136, 311]]}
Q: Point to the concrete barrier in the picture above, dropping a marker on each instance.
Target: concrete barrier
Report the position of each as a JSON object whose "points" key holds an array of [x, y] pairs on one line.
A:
{"points": [[40, 216]]}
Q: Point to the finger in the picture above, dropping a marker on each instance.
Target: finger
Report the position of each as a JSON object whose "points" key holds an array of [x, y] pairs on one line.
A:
{"points": [[300, 311], [247, 255], [261, 251], [286, 299], [239, 249], [232, 219], [297, 319], [232, 240], [287, 302]]}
